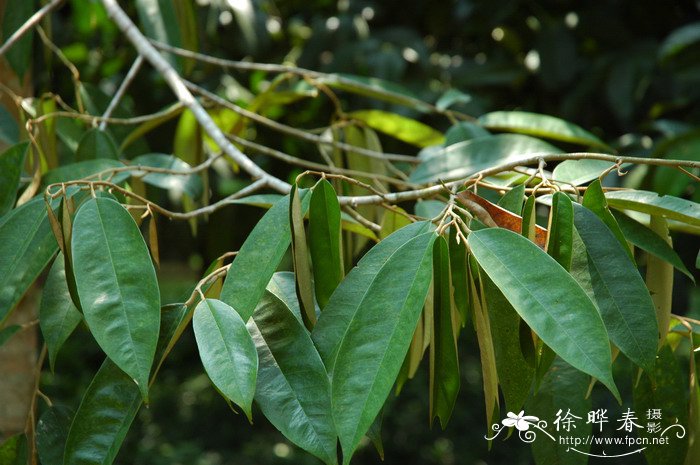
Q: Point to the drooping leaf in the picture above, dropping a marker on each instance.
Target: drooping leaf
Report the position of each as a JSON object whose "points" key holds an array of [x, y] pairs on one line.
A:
{"points": [[561, 229], [84, 169], [458, 272], [577, 172], [105, 414], [300, 258], [679, 39], [547, 298], [513, 199], [159, 22], [377, 338], [466, 158], [529, 217], [538, 125], [16, 13], [51, 434], [666, 206], [374, 88], [96, 144], [659, 279], [375, 435], [292, 390], [324, 241], [283, 286], [444, 365], [191, 184], [26, 246], [9, 131], [227, 352], [462, 131], [58, 317], [11, 163], [618, 290], [594, 200], [117, 286], [405, 129]]}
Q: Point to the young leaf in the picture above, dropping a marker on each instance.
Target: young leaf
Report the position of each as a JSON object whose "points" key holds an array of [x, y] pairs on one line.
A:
{"points": [[594, 200], [529, 224], [324, 241], [227, 352], [666, 206], [103, 418], [561, 229], [117, 286], [376, 339], [444, 365], [11, 163], [96, 144], [293, 390], [403, 128], [618, 290], [547, 298], [513, 199], [58, 317], [51, 434], [659, 279], [300, 257]]}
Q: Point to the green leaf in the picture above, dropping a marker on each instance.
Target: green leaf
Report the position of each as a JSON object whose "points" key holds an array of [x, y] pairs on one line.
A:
{"points": [[618, 290], [594, 200], [258, 259], [537, 125], [9, 131], [668, 392], [344, 304], [83, 169], [561, 229], [300, 258], [13, 451], [117, 286], [191, 184], [405, 129], [547, 298], [15, 14], [7, 332], [458, 272], [659, 279], [513, 199], [647, 240], [377, 337], [679, 39], [51, 434], [464, 131], [11, 163], [96, 144], [293, 390], [444, 365], [466, 158], [450, 97], [529, 216], [58, 316], [374, 88], [577, 172], [227, 352], [666, 206], [283, 286], [324, 241], [105, 414], [26, 247], [159, 22]]}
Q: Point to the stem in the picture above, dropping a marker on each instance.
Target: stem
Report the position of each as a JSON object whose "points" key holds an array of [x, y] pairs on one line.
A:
{"points": [[133, 71], [30, 23]]}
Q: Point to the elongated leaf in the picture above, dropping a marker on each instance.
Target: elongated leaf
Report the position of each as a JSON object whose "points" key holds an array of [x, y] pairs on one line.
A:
{"points": [[324, 241], [577, 172], [647, 240], [293, 390], [191, 184], [227, 351], [11, 162], [561, 229], [466, 158], [9, 131], [58, 317], [300, 258], [16, 13], [464, 130], [258, 259], [547, 298], [334, 322], [51, 434], [14, 450], [659, 280], [159, 22], [679, 40], [84, 169], [377, 339], [667, 206], [513, 199], [7, 332], [103, 418], [618, 290], [539, 125], [374, 88], [117, 286], [444, 366], [529, 217], [458, 272], [26, 246], [403, 128], [594, 200], [96, 144], [283, 286]]}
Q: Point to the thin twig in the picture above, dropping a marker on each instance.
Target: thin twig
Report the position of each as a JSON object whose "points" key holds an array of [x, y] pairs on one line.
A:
{"points": [[130, 75], [28, 24]]}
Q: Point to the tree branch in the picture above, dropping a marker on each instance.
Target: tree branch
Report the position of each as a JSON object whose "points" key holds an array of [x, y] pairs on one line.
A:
{"points": [[30, 23]]}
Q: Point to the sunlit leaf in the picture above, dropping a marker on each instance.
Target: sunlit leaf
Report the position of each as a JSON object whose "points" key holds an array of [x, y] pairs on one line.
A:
{"points": [[594, 200], [159, 22], [403, 128], [561, 228], [666, 206]]}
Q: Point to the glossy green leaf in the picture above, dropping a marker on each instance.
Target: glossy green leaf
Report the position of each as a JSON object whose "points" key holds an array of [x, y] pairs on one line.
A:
{"points": [[618, 290], [105, 414], [293, 390], [529, 215], [51, 434], [300, 258], [458, 272], [377, 338], [7, 332], [26, 247], [513, 199], [58, 316], [117, 286], [159, 21], [577, 172], [14, 450], [666, 390], [444, 365], [405, 129], [96, 144], [227, 351], [462, 131], [324, 241], [191, 184], [283, 286], [561, 229], [11, 163], [666, 206], [538, 125], [679, 39], [9, 131], [374, 88], [466, 158], [84, 169], [451, 97], [16, 13], [334, 322], [547, 298], [375, 435], [644, 238], [594, 200]]}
